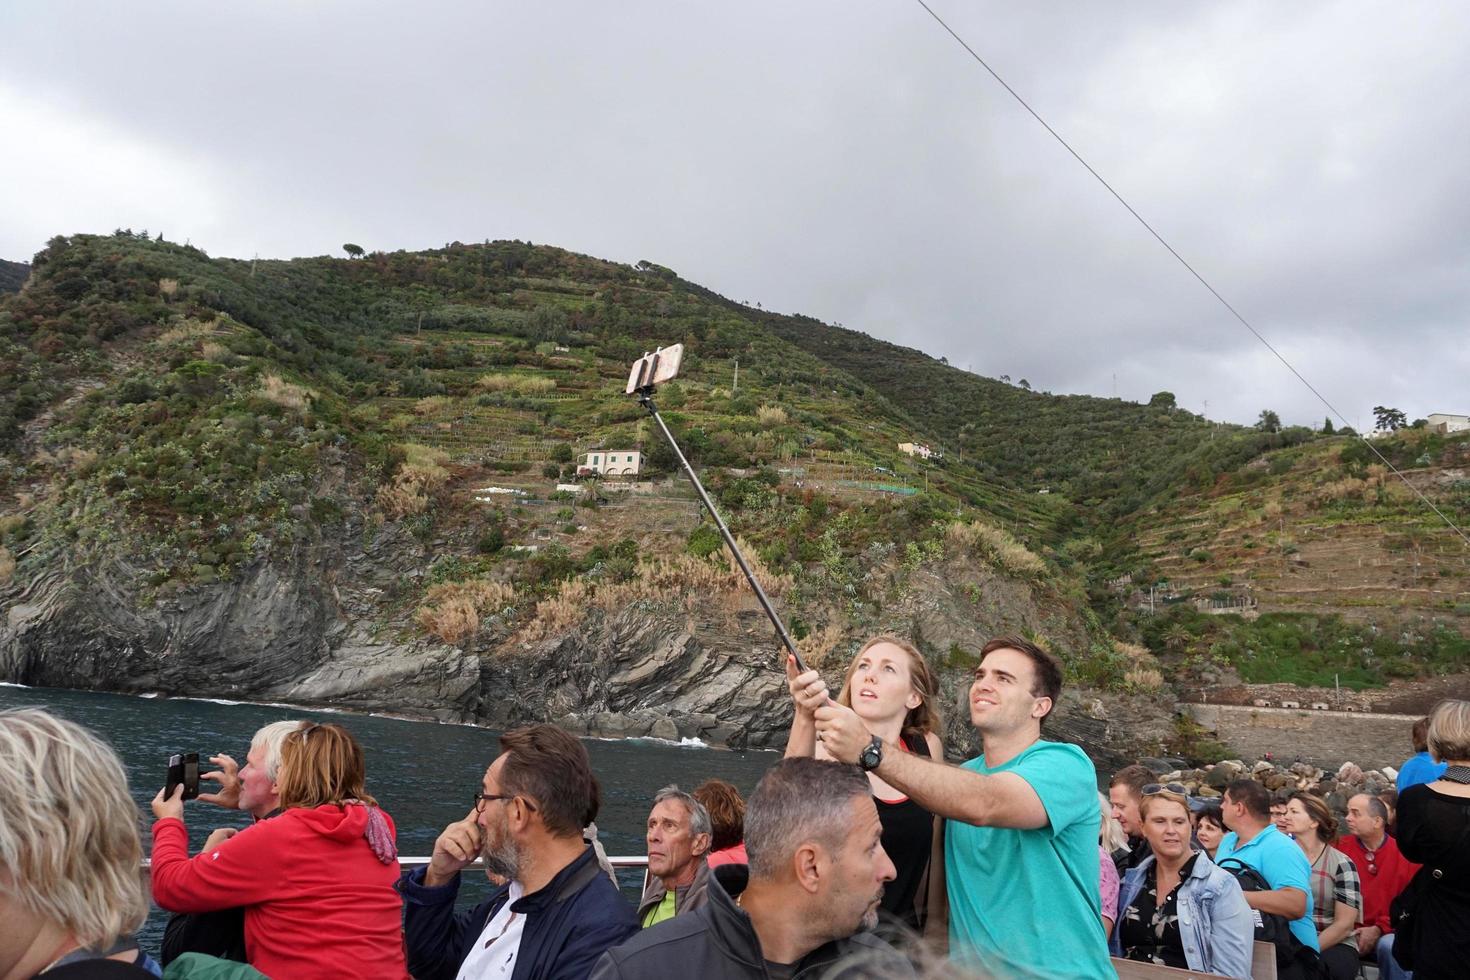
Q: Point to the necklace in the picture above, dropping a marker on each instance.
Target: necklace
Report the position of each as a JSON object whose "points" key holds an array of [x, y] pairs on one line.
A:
{"points": [[1457, 774]]}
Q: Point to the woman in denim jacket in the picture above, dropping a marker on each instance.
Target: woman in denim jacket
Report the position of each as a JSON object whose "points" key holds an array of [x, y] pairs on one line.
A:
{"points": [[1177, 908]]}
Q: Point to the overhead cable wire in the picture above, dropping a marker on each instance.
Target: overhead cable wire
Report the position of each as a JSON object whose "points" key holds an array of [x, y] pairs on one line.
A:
{"points": [[1192, 270]]}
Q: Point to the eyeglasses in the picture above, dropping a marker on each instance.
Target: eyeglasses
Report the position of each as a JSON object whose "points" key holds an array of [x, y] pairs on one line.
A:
{"points": [[1154, 788], [482, 798]]}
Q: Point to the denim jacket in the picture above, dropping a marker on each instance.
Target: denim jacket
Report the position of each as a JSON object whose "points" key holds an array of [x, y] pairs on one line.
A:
{"points": [[1216, 926]]}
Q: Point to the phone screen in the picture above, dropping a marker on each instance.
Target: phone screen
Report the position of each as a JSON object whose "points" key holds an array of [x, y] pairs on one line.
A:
{"points": [[191, 775]]}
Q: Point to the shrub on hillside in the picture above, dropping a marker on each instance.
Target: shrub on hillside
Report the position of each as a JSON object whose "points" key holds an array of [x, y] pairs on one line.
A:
{"points": [[680, 577], [519, 384], [419, 475], [770, 415], [451, 610], [997, 545], [278, 391]]}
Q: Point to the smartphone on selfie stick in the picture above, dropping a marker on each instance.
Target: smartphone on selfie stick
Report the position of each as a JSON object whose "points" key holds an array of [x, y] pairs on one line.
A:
{"points": [[647, 373], [183, 768]]}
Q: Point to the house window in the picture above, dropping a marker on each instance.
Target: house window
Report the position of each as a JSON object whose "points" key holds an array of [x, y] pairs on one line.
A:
{"points": [[594, 460]]}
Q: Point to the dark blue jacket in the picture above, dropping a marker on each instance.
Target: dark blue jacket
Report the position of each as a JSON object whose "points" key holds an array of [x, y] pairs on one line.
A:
{"points": [[570, 922]]}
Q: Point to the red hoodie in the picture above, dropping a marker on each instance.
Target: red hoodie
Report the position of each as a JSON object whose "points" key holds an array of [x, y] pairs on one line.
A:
{"points": [[318, 902]]}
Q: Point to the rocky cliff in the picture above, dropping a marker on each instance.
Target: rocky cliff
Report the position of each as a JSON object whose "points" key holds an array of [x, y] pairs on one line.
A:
{"points": [[289, 631], [319, 628]]}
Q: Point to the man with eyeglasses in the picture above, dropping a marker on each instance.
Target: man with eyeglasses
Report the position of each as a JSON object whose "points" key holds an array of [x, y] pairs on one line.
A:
{"points": [[557, 912], [1383, 872]]}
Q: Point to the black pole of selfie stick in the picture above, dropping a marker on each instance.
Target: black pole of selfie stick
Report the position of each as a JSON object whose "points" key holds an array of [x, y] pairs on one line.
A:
{"points": [[645, 398]]}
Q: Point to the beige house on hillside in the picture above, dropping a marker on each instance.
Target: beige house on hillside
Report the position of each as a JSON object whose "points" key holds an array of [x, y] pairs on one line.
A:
{"points": [[609, 462]]}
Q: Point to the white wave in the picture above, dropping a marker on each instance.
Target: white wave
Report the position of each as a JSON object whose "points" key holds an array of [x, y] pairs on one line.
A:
{"points": [[8, 684], [681, 743]]}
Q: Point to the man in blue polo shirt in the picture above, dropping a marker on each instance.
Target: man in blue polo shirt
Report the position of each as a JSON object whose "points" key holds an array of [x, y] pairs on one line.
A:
{"points": [[1254, 841]]}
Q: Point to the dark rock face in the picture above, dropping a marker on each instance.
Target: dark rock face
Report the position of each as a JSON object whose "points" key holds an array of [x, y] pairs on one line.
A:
{"points": [[642, 673], [275, 634], [300, 631]]}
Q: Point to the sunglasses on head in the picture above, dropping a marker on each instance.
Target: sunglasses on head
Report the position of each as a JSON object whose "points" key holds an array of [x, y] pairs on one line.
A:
{"points": [[1153, 789]]}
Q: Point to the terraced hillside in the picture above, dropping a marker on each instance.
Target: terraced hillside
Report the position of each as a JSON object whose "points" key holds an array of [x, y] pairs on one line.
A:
{"points": [[1323, 531], [1329, 549], [388, 435], [202, 457]]}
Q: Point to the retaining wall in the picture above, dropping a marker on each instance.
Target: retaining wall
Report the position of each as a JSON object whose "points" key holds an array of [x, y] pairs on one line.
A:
{"points": [[1322, 738]]}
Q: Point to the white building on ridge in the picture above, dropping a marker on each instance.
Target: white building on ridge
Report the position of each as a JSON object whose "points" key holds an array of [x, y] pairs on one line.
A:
{"points": [[609, 462], [1448, 424]]}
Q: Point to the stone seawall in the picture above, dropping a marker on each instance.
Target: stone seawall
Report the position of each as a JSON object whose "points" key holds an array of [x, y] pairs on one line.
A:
{"points": [[1323, 738]]}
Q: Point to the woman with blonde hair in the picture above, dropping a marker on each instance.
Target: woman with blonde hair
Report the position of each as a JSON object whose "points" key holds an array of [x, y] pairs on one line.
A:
{"points": [[890, 686], [1176, 907], [70, 891], [316, 881], [1433, 937], [1110, 839]]}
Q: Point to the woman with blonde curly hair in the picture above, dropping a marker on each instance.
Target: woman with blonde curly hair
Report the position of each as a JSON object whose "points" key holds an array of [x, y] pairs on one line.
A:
{"points": [[890, 686], [316, 882], [70, 890]]}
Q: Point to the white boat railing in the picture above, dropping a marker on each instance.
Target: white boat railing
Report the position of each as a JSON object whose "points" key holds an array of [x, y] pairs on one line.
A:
{"points": [[416, 861]]}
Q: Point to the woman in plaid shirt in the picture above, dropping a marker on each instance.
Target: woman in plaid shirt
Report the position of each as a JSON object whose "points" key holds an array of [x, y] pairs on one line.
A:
{"points": [[1337, 897]]}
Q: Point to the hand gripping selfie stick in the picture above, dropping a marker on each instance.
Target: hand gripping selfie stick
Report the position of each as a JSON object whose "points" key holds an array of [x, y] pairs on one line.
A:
{"points": [[650, 371]]}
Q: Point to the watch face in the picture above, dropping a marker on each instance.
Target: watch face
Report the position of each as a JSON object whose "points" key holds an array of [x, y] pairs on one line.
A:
{"points": [[871, 755]]}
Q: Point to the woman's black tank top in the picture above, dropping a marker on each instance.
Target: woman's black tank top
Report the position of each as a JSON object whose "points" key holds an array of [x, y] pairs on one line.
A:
{"points": [[908, 837]]}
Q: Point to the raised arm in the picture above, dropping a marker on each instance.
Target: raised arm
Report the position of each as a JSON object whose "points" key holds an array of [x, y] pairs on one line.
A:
{"points": [[1001, 800], [239, 871], [807, 690]]}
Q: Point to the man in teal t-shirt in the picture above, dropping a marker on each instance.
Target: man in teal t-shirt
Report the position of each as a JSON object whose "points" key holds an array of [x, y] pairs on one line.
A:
{"points": [[1020, 853]]}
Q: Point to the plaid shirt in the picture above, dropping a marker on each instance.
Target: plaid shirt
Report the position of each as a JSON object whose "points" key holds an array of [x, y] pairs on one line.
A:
{"points": [[1334, 879]]}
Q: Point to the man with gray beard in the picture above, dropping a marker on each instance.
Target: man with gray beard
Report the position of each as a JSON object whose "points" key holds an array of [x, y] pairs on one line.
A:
{"points": [[805, 905], [556, 911]]}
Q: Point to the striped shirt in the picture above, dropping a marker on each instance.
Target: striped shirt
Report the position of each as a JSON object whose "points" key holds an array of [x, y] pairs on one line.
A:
{"points": [[1334, 879]]}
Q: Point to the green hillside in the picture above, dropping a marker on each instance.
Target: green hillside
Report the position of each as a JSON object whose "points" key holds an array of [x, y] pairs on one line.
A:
{"points": [[189, 416]]}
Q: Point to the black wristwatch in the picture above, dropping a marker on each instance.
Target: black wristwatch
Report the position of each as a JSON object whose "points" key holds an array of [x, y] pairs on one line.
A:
{"points": [[871, 756]]}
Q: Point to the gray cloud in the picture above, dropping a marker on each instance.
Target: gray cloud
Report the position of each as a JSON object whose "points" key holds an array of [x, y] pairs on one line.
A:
{"points": [[844, 160]]}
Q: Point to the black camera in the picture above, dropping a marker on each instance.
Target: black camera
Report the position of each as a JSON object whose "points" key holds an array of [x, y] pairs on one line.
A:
{"points": [[183, 769]]}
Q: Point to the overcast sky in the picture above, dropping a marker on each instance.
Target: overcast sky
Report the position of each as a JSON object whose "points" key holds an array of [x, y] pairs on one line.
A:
{"points": [[845, 160]]}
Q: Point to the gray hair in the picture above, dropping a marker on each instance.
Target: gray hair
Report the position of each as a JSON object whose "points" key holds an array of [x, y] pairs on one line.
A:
{"points": [[68, 828], [799, 800], [699, 822], [1376, 807], [271, 738], [1449, 731]]}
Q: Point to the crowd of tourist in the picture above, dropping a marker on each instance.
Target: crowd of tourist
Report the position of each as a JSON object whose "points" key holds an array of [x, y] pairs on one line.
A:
{"points": [[862, 854]]}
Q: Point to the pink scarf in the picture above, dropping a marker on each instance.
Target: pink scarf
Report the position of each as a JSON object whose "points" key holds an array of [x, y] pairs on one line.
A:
{"points": [[378, 834]]}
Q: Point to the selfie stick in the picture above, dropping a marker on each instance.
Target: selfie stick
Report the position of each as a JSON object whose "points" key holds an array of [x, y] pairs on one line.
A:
{"points": [[645, 398]]}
